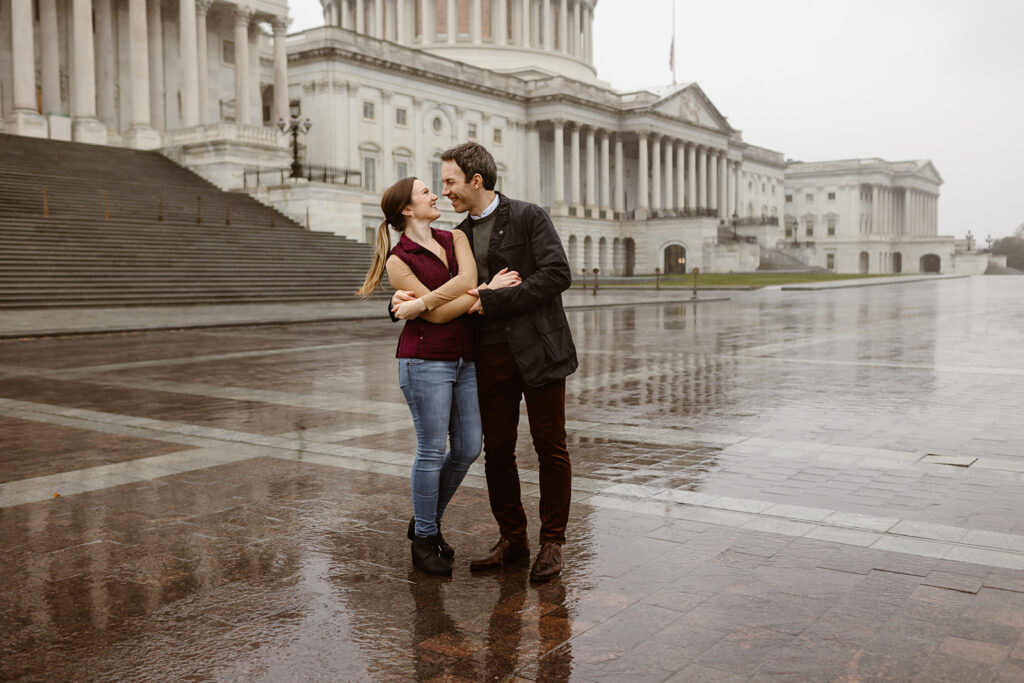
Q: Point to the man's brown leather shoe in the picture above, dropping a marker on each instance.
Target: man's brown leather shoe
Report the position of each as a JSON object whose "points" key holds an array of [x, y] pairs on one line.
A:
{"points": [[548, 564], [504, 551]]}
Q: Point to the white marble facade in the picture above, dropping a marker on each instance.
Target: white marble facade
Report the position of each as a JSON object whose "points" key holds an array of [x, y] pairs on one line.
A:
{"points": [[866, 216], [388, 107], [138, 72]]}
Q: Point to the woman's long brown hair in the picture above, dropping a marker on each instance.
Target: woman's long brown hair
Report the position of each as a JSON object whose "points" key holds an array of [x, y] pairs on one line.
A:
{"points": [[392, 202]]}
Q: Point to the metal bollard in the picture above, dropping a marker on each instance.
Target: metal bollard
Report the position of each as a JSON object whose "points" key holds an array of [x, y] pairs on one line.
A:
{"points": [[583, 283], [696, 272], [595, 281], [657, 279]]}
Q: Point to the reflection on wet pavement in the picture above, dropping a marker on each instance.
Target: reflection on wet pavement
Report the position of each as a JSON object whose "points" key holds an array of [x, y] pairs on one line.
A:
{"points": [[813, 485]]}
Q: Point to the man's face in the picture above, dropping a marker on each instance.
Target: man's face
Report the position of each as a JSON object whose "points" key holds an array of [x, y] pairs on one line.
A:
{"points": [[462, 193]]}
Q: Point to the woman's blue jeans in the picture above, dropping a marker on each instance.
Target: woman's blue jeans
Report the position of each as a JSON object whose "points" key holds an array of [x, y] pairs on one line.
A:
{"points": [[442, 399]]}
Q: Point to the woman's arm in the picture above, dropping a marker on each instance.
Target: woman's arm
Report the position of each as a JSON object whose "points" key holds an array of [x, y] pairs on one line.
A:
{"points": [[400, 276], [461, 283]]}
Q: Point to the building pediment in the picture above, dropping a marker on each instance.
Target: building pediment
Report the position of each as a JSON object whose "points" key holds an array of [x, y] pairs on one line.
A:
{"points": [[689, 103], [927, 170]]}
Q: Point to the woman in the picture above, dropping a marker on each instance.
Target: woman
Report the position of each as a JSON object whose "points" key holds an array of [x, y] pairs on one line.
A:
{"points": [[435, 354]]}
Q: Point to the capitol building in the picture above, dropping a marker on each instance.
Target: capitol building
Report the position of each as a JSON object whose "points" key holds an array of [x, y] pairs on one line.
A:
{"points": [[634, 181]]}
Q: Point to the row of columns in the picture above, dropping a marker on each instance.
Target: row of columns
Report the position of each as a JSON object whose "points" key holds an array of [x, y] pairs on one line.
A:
{"points": [[554, 25], [684, 176], [903, 211], [92, 93]]}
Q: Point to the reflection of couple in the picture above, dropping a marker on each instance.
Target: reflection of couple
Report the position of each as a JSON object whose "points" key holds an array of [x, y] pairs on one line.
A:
{"points": [[463, 375]]}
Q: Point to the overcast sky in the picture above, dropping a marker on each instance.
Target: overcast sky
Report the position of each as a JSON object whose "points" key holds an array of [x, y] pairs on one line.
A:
{"points": [[838, 79]]}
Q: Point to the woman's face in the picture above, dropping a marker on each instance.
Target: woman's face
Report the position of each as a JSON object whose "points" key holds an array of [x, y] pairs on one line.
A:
{"points": [[423, 203]]}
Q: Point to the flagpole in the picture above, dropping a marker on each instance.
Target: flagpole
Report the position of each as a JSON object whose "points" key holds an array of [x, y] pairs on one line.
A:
{"points": [[674, 42]]}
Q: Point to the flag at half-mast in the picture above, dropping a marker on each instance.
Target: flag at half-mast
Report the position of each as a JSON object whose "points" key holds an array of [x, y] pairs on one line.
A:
{"points": [[672, 48]]}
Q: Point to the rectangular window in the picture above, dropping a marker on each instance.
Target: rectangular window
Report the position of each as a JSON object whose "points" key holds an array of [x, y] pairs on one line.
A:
{"points": [[369, 174], [401, 169], [368, 112], [832, 196], [831, 227], [809, 197], [809, 227], [789, 231], [471, 130], [830, 261], [227, 53], [400, 115], [497, 136], [789, 198]]}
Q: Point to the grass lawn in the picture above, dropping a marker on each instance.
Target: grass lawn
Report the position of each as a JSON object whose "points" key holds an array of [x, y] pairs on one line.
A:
{"points": [[764, 279]]}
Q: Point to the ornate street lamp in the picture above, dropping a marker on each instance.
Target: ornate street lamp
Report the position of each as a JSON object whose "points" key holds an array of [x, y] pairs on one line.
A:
{"points": [[293, 128]]}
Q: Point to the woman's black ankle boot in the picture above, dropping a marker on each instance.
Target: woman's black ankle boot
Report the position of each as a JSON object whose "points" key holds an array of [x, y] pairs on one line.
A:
{"points": [[447, 552], [426, 557]]}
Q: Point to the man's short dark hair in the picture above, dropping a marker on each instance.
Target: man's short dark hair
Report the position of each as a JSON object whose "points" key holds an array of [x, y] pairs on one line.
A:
{"points": [[473, 158]]}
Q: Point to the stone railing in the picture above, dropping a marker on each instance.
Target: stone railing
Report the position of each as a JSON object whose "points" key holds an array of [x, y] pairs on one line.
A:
{"points": [[259, 135]]}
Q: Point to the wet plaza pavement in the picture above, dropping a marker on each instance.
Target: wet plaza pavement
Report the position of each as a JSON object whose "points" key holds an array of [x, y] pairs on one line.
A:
{"points": [[820, 485]]}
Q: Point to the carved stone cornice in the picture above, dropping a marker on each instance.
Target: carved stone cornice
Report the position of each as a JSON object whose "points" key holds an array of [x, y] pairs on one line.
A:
{"points": [[243, 15]]}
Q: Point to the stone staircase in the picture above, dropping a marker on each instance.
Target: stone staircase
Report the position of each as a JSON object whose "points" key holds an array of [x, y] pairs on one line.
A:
{"points": [[126, 227]]}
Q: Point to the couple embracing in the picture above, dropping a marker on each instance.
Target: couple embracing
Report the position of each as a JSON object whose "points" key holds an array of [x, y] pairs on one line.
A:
{"points": [[484, 328]]}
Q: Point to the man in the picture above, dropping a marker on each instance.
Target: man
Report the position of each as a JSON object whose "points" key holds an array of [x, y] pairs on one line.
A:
{"points": [[523, 350]]}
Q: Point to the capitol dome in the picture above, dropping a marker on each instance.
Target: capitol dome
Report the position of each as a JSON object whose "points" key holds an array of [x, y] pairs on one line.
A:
{"points": [[528, 38]]}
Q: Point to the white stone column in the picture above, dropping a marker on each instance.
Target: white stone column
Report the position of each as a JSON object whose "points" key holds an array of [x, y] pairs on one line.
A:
{"points": [[141, 134], [619, 204], [346, 14], [524, 23], [656, 172], [874, 209], [26, 119], [590, 199], [723, 187], [452, 17], [574, 168], [242, 16], [50, 66], [378, 21], [188, 53], [106, 106], [577, 28], [680, 148], [202, 59], [739, 191], [691, 177], [549, 34], [533, 163], [155, 21], [84, 125], [606, 199], [475, 18], [730, 180], [702, 177], [354, 119], [280, 69], [429, 25], [643, 198], [360, 16], [559, 179], [563, 26], [500, 36], [669, 201], [588, 35]]}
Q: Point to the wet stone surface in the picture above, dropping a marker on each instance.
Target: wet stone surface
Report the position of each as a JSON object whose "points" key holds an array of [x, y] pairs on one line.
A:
{"points": [[787, 485]]}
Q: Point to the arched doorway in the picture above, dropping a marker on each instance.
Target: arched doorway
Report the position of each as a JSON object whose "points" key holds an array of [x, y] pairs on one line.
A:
{"points": [[675, 259], [897, 262], [629, 259], [617, 256], [865, 262], [573, 253], [931, 263]]}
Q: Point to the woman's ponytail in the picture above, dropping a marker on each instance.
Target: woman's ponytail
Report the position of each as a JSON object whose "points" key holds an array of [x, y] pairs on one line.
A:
{"points": [[380, 255]]}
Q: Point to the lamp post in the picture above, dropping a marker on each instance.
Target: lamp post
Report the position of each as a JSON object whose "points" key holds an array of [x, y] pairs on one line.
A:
{"points": [[735, 222], [293, 128]]}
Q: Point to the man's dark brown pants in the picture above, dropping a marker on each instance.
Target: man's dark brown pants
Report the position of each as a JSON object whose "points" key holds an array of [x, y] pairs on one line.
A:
{"points": [[501, 388]]}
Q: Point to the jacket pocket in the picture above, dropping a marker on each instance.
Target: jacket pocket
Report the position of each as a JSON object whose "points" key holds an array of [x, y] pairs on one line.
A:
{"points": [[555, 339]]}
